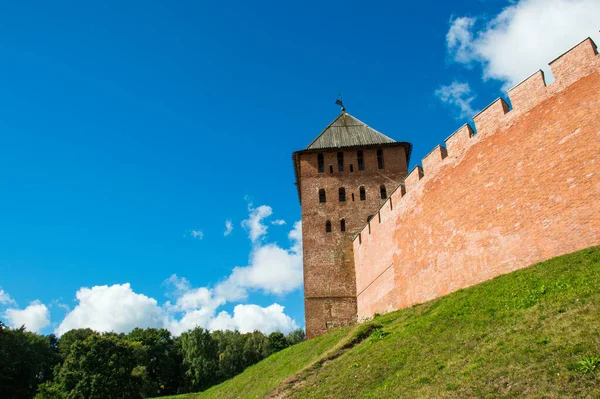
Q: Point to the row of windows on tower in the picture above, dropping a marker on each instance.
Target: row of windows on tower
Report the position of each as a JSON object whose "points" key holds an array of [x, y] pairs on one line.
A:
{"points": [[342, 224], [362, 192], [360, 160]]}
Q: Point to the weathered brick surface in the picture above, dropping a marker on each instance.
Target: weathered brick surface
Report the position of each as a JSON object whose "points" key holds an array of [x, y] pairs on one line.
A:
{"points": [[329, 275], [525, 188]]}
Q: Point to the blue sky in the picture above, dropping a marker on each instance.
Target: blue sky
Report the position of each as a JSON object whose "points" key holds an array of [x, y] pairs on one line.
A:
{"points": [[125, 128]]}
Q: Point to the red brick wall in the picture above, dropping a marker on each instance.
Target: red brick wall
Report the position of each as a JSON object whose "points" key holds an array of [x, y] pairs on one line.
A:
{"points": [[329, 275], [525, 188]]}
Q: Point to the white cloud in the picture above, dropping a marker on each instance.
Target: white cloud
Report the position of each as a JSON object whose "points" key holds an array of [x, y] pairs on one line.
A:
{"points": [[115, 308], [459, 96], [272, 269], [197, 234], [5, 299], [248, 318], [523, 38], [278, 222], [34, 317], [256, 228], [228, 228]]}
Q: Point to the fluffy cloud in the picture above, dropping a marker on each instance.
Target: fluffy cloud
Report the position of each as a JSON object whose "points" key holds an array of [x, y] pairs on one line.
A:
{"points": [[459, 96], [228, 228], [272, 269], [523, 38], [5, 299], [248, 318], [254, 224], [115, 308], [34, 317], [278, 222]]}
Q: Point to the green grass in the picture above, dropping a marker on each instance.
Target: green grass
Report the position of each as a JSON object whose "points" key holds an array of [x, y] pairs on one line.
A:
{"points": [[534, 333]]}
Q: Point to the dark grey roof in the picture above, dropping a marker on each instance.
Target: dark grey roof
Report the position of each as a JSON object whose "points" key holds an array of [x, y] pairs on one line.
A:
{"points": [[347, 131]]}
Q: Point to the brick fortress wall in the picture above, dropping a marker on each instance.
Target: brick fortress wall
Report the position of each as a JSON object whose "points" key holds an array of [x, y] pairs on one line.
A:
{"points": [[329, 275], [525, 188]]}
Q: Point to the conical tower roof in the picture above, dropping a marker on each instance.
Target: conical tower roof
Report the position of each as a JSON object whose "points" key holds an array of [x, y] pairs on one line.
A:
{"points": [[348, 131]]}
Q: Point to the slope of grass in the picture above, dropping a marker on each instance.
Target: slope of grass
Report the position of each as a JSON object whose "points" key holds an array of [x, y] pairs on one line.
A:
{"points": [[532, 333]]}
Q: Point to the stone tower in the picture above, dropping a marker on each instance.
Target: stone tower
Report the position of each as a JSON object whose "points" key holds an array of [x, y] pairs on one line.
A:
{"points": [[343, 177]]}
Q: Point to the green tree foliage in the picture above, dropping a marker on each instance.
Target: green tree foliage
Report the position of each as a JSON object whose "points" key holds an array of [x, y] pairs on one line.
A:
{"points": [[102, 367], [231, 353], [199, 353], [277, 341], [26, 360], [296, 336], [256, 347], [159, 356], [84, 364]]}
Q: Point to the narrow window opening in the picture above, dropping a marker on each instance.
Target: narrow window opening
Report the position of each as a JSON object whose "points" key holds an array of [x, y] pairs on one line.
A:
{"points": [[330, 168], [391, 205], [360, 239], [363, 193], [379, 216], [361, 160], [328, 226], [322, 197], [340, 158], [351, 168], [321, 162], [342, 192], [352, 197], [383, 191], [380, 158], [342, 225]]}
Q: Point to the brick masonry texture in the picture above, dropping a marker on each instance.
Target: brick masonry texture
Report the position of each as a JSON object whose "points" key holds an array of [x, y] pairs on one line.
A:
{"points": [[524, 189], [329, 275]]}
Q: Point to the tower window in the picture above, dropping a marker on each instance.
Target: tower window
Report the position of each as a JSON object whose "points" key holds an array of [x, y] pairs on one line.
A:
{"points": [[330, 168], [342, 192], [322, 197], [340, 157], [342, 225], [361, 160], [363, 193], [328, 226], [353, 197], [321, 162], [379, 158], [383, 191], [351, 168]]}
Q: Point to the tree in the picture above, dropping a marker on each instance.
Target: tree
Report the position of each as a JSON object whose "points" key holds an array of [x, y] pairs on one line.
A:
{"points": [[231, 352], [160, 358], [199, 352], [101, 367], [296, 336], [277, 341], [26, 360], [256, 348]]}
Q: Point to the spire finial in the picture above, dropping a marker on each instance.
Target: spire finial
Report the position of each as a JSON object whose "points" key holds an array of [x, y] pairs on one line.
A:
{"points": [[340, 103]]}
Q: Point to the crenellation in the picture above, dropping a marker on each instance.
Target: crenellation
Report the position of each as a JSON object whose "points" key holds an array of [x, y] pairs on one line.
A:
{"points": [[491, 118], [529, 93], [413, 178], [433, 161], [458, 141], [579, 61]]}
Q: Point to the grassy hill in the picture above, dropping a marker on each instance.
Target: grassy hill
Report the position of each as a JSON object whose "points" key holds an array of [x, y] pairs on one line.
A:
{"points": [[533, 333]]}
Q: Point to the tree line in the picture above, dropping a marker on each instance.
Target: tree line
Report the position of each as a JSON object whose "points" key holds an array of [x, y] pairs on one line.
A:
{"points": [[85, 364]]}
